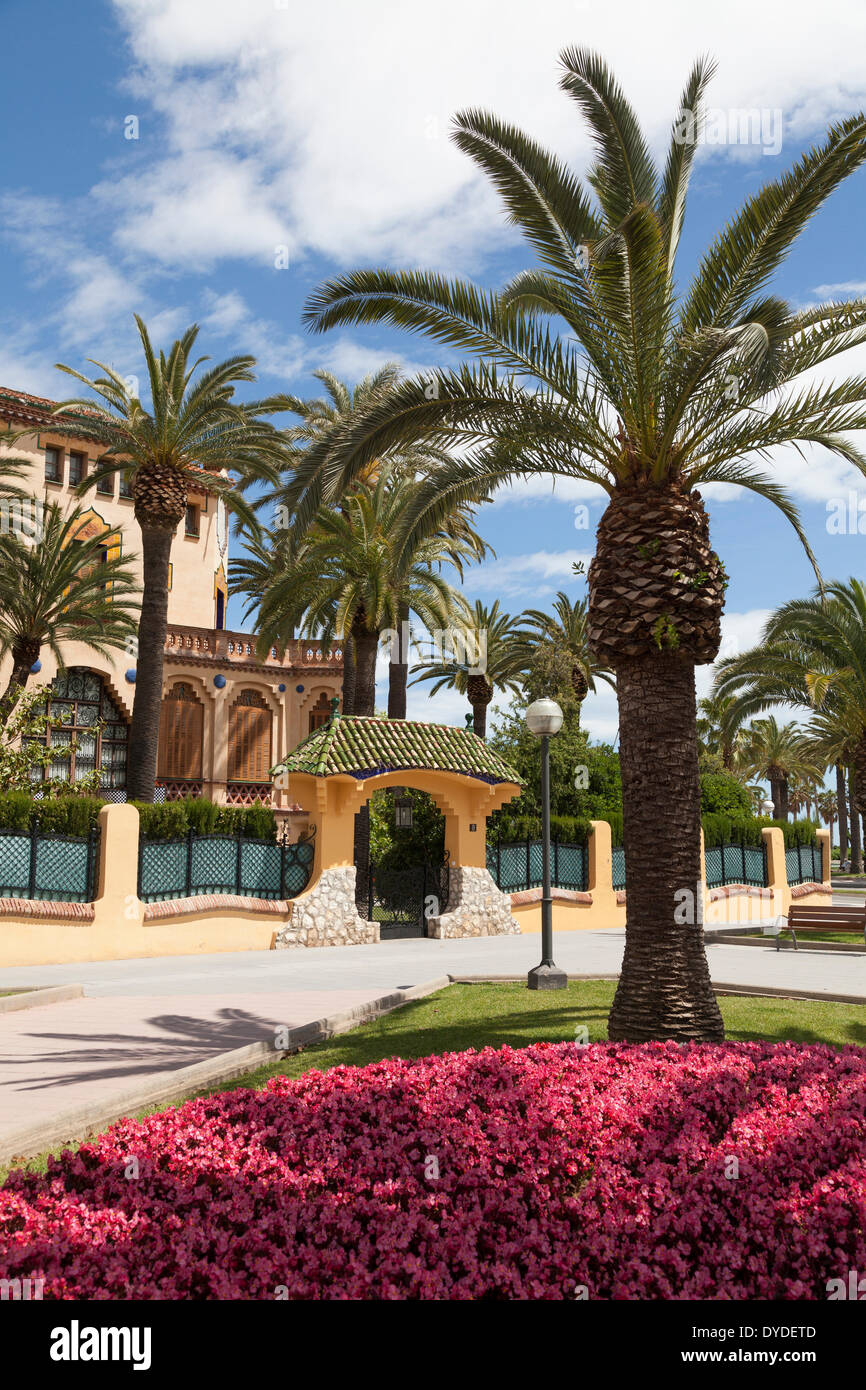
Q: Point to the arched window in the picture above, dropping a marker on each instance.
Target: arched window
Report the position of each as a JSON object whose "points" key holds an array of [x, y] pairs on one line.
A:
{"points": [[88, 719], [181, 724], [249, 738], [320, 712]]}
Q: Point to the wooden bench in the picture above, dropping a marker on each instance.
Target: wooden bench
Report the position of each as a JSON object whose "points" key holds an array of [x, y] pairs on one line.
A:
{"points": [[805, 918]]}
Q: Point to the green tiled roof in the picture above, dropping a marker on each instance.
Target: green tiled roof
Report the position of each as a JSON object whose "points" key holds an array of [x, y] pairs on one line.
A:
{"points": [[362, 747]]}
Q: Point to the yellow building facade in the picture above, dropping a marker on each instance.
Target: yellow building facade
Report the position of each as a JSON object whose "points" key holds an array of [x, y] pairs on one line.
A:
{"points": [[228, 715]]}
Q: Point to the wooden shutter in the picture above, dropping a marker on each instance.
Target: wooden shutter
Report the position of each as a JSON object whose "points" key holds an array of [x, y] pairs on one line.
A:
{"points": [[249, 739], [180, 734]]}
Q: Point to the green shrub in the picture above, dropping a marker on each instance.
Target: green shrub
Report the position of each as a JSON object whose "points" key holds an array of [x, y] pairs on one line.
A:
{"points": [[201, 814], [259, 822], [165, 820], [736, 830], [723, 795], [614, 820], [67, 814], [16, 809]]}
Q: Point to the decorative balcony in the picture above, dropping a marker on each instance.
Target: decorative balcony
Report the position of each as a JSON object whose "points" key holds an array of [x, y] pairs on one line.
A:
{"points": [[215, 647]]}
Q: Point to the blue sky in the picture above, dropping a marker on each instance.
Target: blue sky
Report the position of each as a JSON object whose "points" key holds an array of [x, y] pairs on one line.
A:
{"points": [[269, 125]]}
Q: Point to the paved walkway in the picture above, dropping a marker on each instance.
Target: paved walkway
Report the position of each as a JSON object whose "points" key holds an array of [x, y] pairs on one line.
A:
{"points": [[60, 1057], [142, 1017]]}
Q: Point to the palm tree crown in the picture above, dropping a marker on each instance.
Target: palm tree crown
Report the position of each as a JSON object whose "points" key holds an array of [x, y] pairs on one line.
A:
{"points": [[195, 436], [566, 629], [57, 588], [489, 652]]}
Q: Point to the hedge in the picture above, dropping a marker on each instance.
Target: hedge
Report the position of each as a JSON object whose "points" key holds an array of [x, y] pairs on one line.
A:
{"points": [[75, 815], [746, 830], [718, 829]]}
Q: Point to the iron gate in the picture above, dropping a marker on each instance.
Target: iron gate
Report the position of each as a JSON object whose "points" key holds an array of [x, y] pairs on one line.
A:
{"points": [[402, 899]]}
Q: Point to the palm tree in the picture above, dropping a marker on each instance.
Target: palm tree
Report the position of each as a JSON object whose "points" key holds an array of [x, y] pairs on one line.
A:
{"points": [[348, 575], [57, 588], [812, 653], [648, 394], [780, 753], [716, 730], [196, 436], [566, 629], [827, 808], [320, 420], [490, 654]]}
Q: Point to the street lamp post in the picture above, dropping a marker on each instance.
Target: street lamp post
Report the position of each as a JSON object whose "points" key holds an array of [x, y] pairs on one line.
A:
{"points": [[544, 719]]}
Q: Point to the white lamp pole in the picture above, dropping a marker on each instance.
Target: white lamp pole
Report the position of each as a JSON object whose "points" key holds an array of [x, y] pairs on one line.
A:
{"points": [[544, 719]]}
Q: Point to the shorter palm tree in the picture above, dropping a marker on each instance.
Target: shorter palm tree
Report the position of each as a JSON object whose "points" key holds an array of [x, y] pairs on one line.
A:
{"points": [[780, 753], [196, 436], [57, 588], [490, 653], [348, 575], [828, 810], [720, 729], [566, 630]]}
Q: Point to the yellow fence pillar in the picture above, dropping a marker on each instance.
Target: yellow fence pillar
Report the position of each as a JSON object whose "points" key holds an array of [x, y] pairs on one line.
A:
{"points": [[825, 847], [600, 873], [117, 900], [777, 873]]}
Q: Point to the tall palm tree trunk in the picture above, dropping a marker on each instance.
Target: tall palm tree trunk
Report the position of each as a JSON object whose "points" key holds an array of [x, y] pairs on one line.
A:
{"points": [[349, 675], [398, 671], [664, 989], [842, 810], [366, 646], [784, 798], [147, 706], [366, 649], [856, 842], [479, 718]]}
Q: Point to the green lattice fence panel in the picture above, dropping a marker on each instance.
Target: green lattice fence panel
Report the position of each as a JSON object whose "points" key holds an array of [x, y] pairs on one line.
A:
{"points": [[201, 864], [618, 858], [517, 866], [803, 864], [162, 869], [56, 868], [736, 864]]}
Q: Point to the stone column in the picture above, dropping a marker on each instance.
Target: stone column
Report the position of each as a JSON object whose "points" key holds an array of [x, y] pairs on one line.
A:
{"points": [[326, 914], [476, 907]]}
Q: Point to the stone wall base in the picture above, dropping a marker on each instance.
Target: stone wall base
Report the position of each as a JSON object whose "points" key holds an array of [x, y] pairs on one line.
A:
{"points": [[326, 915], [476, 907]]}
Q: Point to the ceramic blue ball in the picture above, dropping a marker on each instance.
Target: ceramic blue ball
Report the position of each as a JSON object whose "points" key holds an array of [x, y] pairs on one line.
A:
{"points": [[219, 682]]}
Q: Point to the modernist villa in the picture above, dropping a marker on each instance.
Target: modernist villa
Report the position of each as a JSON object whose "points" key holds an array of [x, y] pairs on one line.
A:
{"points": [[228, 715]]}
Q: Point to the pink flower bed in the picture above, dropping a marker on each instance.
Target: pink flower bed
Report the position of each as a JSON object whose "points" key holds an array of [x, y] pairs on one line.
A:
{"points": [[558, 1166]]}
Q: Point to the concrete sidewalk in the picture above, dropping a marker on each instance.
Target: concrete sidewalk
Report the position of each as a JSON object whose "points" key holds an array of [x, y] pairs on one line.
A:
{"points": [[143, 1019], [397, 964]]}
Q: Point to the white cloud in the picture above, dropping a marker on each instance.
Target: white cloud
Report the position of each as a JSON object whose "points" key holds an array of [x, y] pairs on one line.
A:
{"points": [[531, 575], [265, 129], [845, 289]]}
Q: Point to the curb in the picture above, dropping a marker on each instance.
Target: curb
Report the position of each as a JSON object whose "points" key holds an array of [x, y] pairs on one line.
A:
{"points": [[519, 979], [78, 1124], [769, 991], [32, 998], [843, 947], [782, 992]]}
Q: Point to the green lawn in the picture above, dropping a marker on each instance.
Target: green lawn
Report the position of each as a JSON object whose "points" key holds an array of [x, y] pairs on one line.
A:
{"points": [[849, 937], [494, 1015]]}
